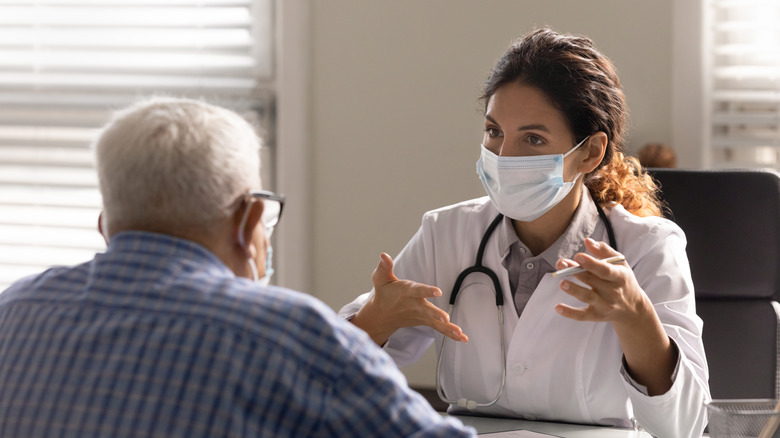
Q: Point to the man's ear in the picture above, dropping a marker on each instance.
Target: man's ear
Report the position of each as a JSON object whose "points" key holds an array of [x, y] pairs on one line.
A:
{"points": [[596, 145], [246, 219], [100, 227]]}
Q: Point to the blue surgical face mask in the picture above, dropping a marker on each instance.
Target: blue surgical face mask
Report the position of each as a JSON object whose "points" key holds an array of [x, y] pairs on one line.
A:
{"points": [[269, 270], [524, 188]]}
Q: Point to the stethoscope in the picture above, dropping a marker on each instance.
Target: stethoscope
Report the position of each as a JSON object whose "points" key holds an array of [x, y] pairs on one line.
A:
{"points": [[498, 291]]}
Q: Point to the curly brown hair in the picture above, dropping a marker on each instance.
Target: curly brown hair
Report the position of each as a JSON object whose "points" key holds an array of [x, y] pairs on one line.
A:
{"points": [[582, 83]]}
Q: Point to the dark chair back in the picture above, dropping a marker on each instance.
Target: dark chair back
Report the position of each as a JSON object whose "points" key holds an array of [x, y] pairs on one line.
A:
{"points": [[731, 219]]}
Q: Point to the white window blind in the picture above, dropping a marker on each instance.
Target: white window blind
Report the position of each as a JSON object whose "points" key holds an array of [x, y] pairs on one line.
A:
{"points": [[743, 48], [65, 65]]}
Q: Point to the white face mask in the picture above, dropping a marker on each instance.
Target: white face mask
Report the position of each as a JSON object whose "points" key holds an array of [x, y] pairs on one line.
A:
{"points": [[269, 270], [524, 188]]}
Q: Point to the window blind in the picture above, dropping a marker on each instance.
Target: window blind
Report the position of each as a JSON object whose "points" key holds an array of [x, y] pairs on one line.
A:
{"points": [[743, 47], [66, 65]]}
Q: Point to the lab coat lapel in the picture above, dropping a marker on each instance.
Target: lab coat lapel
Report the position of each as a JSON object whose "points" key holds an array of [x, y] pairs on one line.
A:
{"points": [[538, 337]]}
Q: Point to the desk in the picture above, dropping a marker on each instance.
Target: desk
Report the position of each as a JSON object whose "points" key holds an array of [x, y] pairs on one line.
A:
{"points": [[564, 430]]}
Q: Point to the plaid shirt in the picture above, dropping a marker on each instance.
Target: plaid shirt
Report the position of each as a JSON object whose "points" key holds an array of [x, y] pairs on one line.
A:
{"points": [[157, 338]]}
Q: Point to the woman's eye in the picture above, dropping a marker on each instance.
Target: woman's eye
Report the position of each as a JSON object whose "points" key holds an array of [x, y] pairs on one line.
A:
{"points": [[492, 132], [535, 140]]}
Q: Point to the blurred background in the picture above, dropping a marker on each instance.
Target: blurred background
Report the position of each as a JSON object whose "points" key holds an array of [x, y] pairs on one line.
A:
{"points": [[368, 109]]}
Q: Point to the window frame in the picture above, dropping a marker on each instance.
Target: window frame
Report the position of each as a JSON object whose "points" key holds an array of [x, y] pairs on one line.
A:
{"points": [[89, 111]]}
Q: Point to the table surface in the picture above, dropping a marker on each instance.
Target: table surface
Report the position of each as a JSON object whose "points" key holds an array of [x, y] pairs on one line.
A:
{"points": [[564, 430]]}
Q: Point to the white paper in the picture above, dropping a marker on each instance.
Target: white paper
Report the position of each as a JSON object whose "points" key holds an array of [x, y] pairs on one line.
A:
{"points": [[516, 434]]}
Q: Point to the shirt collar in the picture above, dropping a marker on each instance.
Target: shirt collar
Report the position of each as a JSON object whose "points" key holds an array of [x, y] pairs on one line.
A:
{"points": [[158, 245], [582, 225]]}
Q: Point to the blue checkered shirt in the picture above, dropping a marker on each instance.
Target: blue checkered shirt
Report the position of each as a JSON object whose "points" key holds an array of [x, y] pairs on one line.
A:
{"points": [[157, 338]]}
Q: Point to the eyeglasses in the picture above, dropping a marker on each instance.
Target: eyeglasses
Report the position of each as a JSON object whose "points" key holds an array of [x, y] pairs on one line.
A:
{"points": [[272, 207]]}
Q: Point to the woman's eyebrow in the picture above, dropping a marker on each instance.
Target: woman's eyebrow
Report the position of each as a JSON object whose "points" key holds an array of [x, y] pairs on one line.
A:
{"points": [[534, 127], [491, 119]]}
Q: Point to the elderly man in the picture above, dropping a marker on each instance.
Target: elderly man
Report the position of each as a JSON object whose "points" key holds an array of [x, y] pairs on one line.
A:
{"points": [[166, 334]]}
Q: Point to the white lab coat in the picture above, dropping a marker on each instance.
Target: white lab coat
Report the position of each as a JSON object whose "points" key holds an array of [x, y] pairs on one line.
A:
{"points": [[557, 368]]}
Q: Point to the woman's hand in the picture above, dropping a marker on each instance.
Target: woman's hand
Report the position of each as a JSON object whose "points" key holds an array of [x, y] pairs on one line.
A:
{"points": [[614, 296], [614, 293], [399, 303]]}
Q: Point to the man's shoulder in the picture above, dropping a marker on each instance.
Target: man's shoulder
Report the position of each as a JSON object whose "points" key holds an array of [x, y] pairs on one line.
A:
{"points": [[275, 305], [47, 285], [280, 315]]}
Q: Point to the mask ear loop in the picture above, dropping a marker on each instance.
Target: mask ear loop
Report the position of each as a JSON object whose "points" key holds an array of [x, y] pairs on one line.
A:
{"points": [[242, 224], [242, 241], [575, 147], [572, 150], [253, 268]]}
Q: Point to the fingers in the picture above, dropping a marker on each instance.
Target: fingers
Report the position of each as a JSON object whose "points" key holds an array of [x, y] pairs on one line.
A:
{"points": [[585, 295], [383, 273], [577, 314], [439, 320], [608, 289], [599, 250], [420, 290], [594, 264], [596, 251], [453, 332], [450, 330], [565, 263], [457, 334], [409, 301]]}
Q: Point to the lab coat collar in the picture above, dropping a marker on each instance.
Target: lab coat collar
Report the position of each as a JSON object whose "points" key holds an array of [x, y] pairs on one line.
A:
{"points": [[583, 225]]}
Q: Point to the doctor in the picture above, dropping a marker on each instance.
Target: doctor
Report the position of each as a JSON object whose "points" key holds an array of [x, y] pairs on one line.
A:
{"points": [[619, 344]]}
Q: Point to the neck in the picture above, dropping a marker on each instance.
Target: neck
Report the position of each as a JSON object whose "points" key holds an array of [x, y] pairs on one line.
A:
{"points": [[217, 237], [541, 233], [226, 248]]}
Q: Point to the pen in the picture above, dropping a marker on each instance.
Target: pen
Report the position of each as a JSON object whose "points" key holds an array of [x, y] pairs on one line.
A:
{"points": [[576, 269]]}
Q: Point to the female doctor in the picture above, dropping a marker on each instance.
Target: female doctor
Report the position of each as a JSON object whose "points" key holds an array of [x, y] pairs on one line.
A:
{"points": [[618, 344]]}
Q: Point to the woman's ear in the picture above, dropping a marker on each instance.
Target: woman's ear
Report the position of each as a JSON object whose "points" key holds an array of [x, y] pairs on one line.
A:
{"points": [[596, 145], [246, 220]]}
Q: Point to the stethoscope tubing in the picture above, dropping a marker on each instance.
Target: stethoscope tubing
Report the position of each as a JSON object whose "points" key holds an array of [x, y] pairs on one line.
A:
{"points": [[463, 402], [499, 294]]}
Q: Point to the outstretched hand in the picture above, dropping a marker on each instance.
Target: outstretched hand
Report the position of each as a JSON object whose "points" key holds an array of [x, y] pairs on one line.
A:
{"points": [[398, 303]]}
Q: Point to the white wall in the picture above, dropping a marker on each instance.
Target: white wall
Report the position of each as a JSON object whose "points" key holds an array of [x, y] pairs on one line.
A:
{"points": [[394, 125]]}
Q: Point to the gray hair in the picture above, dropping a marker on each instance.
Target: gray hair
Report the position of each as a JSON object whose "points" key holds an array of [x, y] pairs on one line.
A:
{"points": [[170, 162]]}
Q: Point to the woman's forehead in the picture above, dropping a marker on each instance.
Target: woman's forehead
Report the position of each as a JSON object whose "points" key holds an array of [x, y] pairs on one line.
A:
{"points": [[524, 106]]}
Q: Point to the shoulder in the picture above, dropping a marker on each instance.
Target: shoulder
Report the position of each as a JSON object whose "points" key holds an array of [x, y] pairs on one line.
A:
{"points": [[478, 211], [649, 243], [272, 309], [632, 230], [298, 325], [53, 284]]}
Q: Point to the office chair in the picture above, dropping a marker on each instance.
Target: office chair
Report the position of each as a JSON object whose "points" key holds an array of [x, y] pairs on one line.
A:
{"points": [[731, 219]]}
